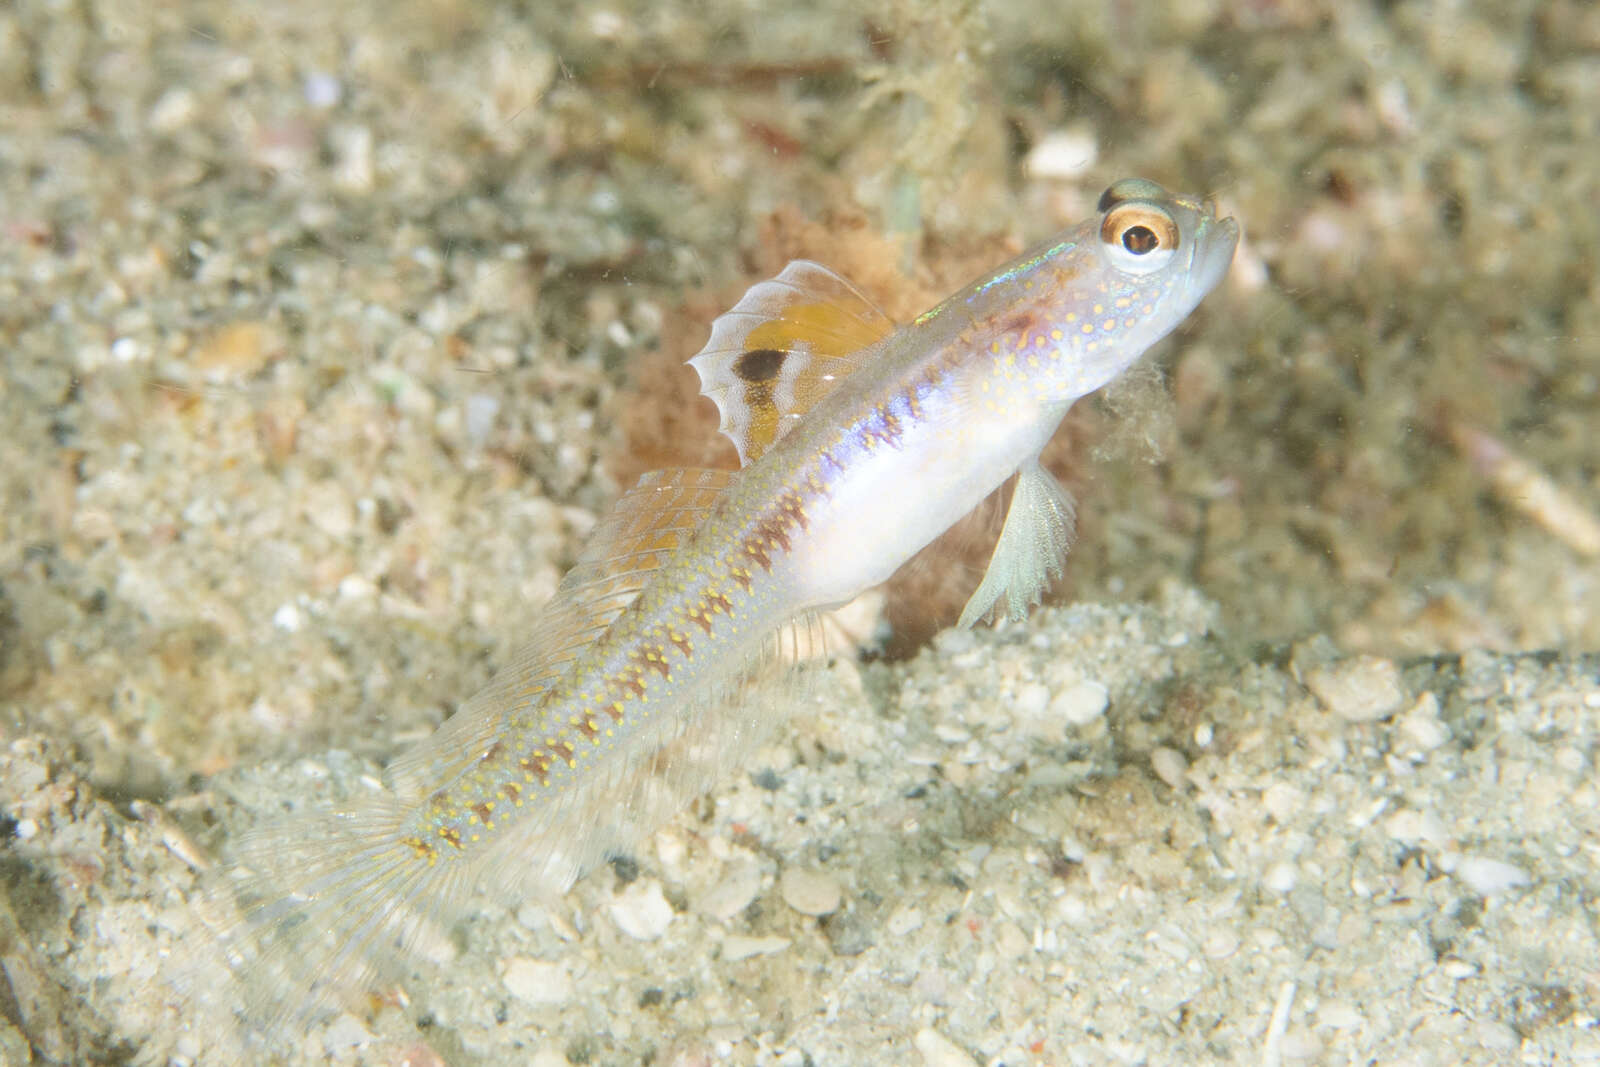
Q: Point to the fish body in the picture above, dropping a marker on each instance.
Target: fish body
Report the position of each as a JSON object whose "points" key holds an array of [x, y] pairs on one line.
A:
{"points": [[859, 442]]}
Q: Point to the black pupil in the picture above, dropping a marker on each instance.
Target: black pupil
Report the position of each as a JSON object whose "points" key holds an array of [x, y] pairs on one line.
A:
{"points": [[1140, 240]]}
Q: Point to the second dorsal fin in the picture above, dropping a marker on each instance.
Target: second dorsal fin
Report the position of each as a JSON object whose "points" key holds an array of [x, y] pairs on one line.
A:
{"points": [[646, 526], [782, 348]]}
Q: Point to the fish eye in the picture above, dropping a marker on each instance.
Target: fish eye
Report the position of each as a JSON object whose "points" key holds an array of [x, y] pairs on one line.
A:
{"points": [[1139, 237]]}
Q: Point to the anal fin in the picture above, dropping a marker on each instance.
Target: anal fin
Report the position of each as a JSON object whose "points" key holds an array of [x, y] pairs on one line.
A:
{"points": [[1033, 543]]}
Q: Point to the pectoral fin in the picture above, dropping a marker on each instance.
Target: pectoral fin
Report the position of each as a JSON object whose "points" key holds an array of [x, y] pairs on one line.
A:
{"points": [[1033, 543]]}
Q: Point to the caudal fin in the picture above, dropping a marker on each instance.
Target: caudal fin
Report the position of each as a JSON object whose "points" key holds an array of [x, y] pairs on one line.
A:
{"points": [[311, 911]]}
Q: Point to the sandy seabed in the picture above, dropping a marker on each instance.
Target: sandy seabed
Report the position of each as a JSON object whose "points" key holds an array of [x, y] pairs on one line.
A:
{"points": [[329, 332]]}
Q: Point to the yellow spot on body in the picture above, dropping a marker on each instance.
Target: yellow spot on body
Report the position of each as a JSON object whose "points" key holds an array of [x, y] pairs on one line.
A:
{"points": [[1055, 335]]}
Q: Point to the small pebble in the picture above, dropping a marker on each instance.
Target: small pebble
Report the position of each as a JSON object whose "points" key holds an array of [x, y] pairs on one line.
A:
{"points": [[736, 947], [482, 409], [1282, 801], [939, 1051], [1170, 766], [537, 982], [641, 911], [734, 893], [1062, 154], [1030, 712], [1339, 1015], [1082, 704], [904, 921], [236, 351], [1421, 726], [1487, 877], [810, 892], [127, 350], [1412, 827], [1281, 877], [346, 1032], [848, 933], [1359, 689], [322, 90], [354, 166], [329, 508], [175, 109], [1009, 941], [1496, 1036], [1300, 1045], [1220, 944], [1032, 699]]}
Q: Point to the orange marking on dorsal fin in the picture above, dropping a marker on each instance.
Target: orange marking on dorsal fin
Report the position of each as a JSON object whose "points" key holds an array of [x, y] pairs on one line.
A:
{"points": [[787, 344]]}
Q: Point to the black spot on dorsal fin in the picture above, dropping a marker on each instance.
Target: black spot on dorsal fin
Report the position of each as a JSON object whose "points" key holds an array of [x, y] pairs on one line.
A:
{"points": [[759, 364]]}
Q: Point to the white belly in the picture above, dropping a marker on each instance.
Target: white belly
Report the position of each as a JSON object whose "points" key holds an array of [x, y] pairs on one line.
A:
{"points": [[891, 500]]}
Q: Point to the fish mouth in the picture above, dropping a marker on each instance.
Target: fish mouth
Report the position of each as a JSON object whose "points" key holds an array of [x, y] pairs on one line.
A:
{"points": [[1213, 252]]}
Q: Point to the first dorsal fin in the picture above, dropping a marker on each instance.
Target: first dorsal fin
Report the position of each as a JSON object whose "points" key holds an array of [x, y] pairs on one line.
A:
{"points": [[641, 532], [781, 349]]}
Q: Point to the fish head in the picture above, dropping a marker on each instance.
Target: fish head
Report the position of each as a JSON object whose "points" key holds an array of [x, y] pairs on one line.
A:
{"points": [[1073, 314]]}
